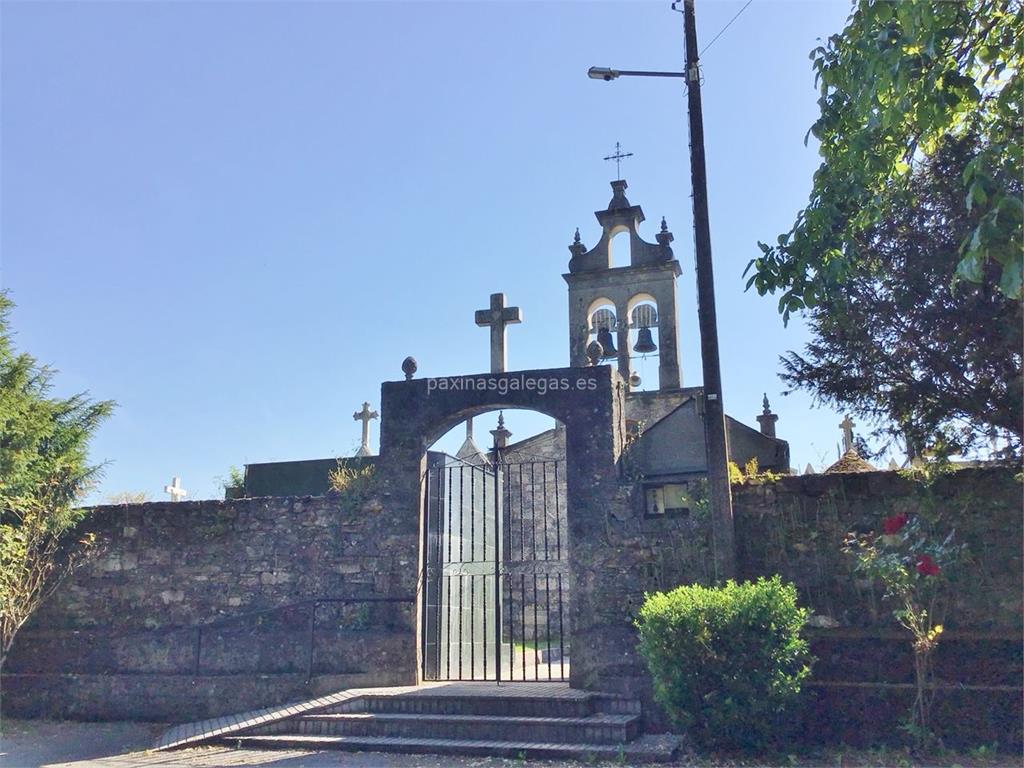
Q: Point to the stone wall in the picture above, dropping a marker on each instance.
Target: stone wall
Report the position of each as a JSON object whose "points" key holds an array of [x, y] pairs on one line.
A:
{"points": [[862, 681], [249, 572], [795, 526], [222, 592]]}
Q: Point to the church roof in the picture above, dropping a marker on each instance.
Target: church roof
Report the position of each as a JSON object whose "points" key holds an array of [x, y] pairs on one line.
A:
{"points": [[471, 453], [850, 462]]}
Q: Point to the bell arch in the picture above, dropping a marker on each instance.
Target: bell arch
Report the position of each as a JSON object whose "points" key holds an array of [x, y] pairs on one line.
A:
{"points": [[644, 320]]}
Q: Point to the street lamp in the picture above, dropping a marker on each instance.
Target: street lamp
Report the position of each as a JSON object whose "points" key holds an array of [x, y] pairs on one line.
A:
{"points": [[723, 534], [606, 73]]}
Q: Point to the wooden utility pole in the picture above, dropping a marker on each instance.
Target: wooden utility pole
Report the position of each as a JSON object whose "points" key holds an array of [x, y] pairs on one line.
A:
{"points": [[723, 534]]}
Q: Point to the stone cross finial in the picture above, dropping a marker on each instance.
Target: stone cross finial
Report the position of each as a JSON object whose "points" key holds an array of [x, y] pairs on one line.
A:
{"points": [[497, 316], [847, 426], [365, 416], [175, 490]]}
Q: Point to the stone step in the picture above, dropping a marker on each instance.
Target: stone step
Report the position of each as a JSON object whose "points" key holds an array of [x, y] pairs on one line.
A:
{"points": [[498, 706], [651, 748], [595, 729]]}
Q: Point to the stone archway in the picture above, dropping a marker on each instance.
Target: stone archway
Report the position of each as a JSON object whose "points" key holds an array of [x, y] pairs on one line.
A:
{"points": [[588, 401]]}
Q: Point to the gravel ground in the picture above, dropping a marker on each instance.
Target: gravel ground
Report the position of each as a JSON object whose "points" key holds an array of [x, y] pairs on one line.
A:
{"points": [[39, 743]]}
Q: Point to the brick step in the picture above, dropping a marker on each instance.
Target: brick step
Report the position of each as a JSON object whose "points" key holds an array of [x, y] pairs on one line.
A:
{"points": [[595, 729], [499, 706], [651, 748]]}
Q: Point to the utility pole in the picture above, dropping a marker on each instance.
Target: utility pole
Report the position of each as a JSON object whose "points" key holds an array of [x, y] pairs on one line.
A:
{"points": [[723, 534]]}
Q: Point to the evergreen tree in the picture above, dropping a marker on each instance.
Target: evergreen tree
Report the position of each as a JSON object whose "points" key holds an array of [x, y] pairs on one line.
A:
{"points": [[44, 471], [930, 361]]}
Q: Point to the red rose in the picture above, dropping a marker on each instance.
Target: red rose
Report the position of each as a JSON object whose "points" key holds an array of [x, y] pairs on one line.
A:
{"points": [[926, 566], [893, 525]]}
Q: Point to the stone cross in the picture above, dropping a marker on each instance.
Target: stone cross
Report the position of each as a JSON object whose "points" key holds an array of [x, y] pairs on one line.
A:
{"points": [[175, 489], [618, 157], [365, 416], [497, 316], [847, 426]]}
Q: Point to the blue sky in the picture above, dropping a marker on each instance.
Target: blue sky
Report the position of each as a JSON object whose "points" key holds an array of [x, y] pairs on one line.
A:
{"points": [[236, 219]]}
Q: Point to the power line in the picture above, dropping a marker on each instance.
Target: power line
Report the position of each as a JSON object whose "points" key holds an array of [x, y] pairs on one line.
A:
{"points": [[722, 31]]}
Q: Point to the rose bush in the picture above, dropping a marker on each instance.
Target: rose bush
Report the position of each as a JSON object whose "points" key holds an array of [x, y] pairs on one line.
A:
{"points": [[910, 560]]}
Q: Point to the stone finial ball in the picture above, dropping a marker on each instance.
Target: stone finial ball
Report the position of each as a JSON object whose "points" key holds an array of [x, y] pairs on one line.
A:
{"points": [[409, 367], [595, 352]]}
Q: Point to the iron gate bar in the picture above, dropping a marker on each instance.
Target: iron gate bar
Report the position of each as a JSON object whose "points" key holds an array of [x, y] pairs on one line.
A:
{"points": [[483, 531], [522, 624], [497, 567], [522, 518], [533, 508], [472, 627], [547, 615], [439, 515], [544, 485], [460, 605], [537, 642], [448, 582], [561, 632], [558, 531]]}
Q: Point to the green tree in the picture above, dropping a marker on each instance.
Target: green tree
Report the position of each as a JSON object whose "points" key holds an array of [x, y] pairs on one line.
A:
{"points": [[898, 79], [927, 362], [44, 471]]}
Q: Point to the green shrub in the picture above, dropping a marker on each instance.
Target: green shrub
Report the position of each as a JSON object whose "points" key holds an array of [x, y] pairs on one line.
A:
{"points": [[726, 661]]}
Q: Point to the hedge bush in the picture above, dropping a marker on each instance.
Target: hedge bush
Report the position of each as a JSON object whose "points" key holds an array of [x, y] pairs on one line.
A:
{"points": [[726, 661]]}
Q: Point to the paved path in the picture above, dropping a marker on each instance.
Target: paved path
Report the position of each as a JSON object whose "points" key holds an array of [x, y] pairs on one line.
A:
{"points": [[47, 744], [41, 743]]}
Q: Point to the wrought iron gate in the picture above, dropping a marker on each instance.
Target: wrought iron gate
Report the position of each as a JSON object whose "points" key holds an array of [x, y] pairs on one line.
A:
{"points": [[496, 583]]}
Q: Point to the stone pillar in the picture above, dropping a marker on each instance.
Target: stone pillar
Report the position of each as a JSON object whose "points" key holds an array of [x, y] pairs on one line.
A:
{"points": [[767, 419]]}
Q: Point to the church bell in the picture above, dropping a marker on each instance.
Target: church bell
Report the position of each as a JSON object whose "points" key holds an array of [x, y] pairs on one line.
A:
{"points": [[644, 343], [604, 338]]}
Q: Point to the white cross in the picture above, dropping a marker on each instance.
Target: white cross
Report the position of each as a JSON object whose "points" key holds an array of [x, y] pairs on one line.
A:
{"points": [[497, 316], [175, 490], [847, 426], [365, 416]]}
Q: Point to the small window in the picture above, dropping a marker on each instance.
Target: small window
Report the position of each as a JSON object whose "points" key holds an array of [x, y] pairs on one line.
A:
{"points": [[677, 500], [671, 500]]}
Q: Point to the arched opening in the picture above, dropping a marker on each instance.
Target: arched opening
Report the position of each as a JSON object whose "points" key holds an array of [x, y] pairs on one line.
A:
{"points": [[619, 248], [644, 342], [603, 325], [415, 413], [495, 583]]}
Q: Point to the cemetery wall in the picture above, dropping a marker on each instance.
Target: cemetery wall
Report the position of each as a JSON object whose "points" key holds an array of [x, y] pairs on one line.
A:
{"points": [[122, 636], [862, 682], [795, 526], [122, 629]]}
